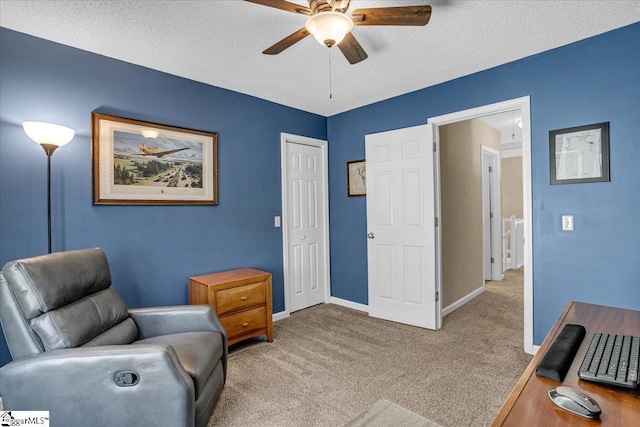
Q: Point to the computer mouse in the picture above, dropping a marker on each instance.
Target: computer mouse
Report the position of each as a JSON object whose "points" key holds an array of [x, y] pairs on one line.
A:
{"points": [[575, 401]]}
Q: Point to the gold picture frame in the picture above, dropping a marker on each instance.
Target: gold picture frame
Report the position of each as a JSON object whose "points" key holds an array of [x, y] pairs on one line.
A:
{"points": [[142, 163], [356, 178]]}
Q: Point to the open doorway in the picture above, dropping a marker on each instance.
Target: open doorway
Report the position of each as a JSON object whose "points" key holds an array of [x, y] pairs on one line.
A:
{"points": [[465, 241], [521, 105], [508, 216]]}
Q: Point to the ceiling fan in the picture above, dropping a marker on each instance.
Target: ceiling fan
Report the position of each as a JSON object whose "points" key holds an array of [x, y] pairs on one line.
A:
{"points": [[329, 23]]}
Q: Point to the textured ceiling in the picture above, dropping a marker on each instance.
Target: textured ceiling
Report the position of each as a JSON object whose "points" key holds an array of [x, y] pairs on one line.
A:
{"points": [[507, 125], [220, 42]]}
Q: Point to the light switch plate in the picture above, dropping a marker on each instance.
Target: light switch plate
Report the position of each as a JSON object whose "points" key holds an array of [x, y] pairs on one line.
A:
{"points": [[567, 222], [276, 221]]}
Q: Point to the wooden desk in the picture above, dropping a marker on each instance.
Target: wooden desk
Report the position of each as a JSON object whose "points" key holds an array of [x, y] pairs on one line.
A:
{"points": [[529, 404]]}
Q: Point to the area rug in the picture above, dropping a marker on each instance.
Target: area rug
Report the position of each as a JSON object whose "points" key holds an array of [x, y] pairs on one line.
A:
{"points": [[384, 413]]}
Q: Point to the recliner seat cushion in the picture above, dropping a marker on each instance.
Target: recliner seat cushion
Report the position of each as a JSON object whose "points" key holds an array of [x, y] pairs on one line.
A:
{"points": [[198, 352]]}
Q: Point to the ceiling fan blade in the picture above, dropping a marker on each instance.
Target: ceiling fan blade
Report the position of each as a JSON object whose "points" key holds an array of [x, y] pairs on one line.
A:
{"points": [[352, 50], [407, 15], [284, 5], [287, 42]]}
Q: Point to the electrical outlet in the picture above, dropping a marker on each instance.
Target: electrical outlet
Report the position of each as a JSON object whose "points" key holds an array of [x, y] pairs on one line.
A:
{"points": [[276, 221], [567, 222]]}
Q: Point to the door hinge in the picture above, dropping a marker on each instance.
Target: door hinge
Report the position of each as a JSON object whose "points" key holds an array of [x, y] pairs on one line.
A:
{"points": [[490, 169], [490, 214], [437, 296], [436, 221], [492, 260], [434, 147]]}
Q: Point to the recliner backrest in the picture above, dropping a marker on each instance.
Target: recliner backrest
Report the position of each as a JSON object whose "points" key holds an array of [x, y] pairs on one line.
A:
{"points": [[62, 300]]}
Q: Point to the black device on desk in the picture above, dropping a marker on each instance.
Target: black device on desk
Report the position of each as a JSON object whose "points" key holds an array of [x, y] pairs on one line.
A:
{"points": [[612, 359], [556, 362]]}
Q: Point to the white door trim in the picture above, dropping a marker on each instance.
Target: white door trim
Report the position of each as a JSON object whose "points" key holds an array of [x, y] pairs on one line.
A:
{"points": [[496, 208], [286, 138], [524, 104]]}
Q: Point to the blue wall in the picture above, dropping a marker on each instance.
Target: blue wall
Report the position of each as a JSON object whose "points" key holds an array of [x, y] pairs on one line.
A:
{"points": [[152, 250], [591, 81]]}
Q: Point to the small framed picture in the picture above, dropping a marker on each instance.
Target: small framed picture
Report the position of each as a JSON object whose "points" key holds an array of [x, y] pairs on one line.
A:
{"points": [[356, 178], [137, 162], [579, 154]]}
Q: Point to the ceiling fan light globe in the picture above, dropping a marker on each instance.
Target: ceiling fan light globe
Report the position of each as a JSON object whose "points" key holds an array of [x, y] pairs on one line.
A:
{"points": [[150, 133], [329, 28]]}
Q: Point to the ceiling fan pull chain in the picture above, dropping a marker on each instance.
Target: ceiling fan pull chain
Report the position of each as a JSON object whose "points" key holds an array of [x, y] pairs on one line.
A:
{"points": [[330, 85]]}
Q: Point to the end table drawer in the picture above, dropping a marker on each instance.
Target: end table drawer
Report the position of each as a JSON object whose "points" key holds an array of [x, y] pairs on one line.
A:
{"points": [[240, 298], [245, 322]]}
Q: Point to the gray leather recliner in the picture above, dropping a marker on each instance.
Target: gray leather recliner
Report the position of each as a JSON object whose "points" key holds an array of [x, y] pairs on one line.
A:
{"points": [[81, 355]]}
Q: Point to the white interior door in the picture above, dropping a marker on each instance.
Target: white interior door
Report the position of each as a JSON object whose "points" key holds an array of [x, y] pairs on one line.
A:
{"points": [[401, 216], [306, 228], [491, 215]]}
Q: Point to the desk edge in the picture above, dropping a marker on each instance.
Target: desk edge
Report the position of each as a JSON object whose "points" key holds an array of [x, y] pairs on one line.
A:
{"points": [[508, 404]]}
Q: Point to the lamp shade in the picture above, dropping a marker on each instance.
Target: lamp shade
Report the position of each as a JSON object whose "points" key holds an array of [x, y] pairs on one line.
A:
{"points": [[329, 28], [48, 133]]}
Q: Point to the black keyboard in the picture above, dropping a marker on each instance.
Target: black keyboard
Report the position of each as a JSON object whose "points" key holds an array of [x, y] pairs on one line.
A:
{"points": [[612, 359]]}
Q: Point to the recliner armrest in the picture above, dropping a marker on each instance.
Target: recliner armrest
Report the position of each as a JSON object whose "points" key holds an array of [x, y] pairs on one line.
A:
{"points": [[73, 383], [156, 321]]}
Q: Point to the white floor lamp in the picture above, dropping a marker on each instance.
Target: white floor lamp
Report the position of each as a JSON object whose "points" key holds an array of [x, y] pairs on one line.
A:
{"points": [[50, 137]]}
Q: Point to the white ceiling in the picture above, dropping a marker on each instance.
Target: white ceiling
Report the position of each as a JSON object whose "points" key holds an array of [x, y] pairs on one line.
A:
{"points": [[507, 125], [220, 42]]}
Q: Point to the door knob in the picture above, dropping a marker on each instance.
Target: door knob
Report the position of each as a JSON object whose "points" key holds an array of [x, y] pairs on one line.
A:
{"points": [[303, 237], [371, 236]]}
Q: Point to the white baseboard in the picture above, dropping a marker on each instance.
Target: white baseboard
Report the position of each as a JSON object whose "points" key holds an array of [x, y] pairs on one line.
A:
{"points": [[279, 316], [350, 304], [535, 349], [337, 301], [462, 301]]}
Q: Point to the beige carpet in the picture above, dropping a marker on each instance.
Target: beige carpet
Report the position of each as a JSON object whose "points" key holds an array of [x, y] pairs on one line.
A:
{"points": [[329, 363]]}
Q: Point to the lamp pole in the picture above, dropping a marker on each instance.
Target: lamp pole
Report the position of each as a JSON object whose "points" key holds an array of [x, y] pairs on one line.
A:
{"points": [[49, 149]]}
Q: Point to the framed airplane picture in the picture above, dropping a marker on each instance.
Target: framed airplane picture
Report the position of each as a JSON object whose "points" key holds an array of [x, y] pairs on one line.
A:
{"points": [[136, 162]]}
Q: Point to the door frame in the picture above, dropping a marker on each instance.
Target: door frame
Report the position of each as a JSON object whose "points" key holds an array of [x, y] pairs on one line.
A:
{"points": [[496, 208], [287, 138], [524, 104]]}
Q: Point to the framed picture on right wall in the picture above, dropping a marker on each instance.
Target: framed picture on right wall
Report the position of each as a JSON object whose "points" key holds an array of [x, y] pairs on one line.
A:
{"points": [[356, 178], [579, 154]]}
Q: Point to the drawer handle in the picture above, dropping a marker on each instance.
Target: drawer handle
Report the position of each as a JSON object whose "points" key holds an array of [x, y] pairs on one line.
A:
{"points": [[243, 298], [245, 324]]}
